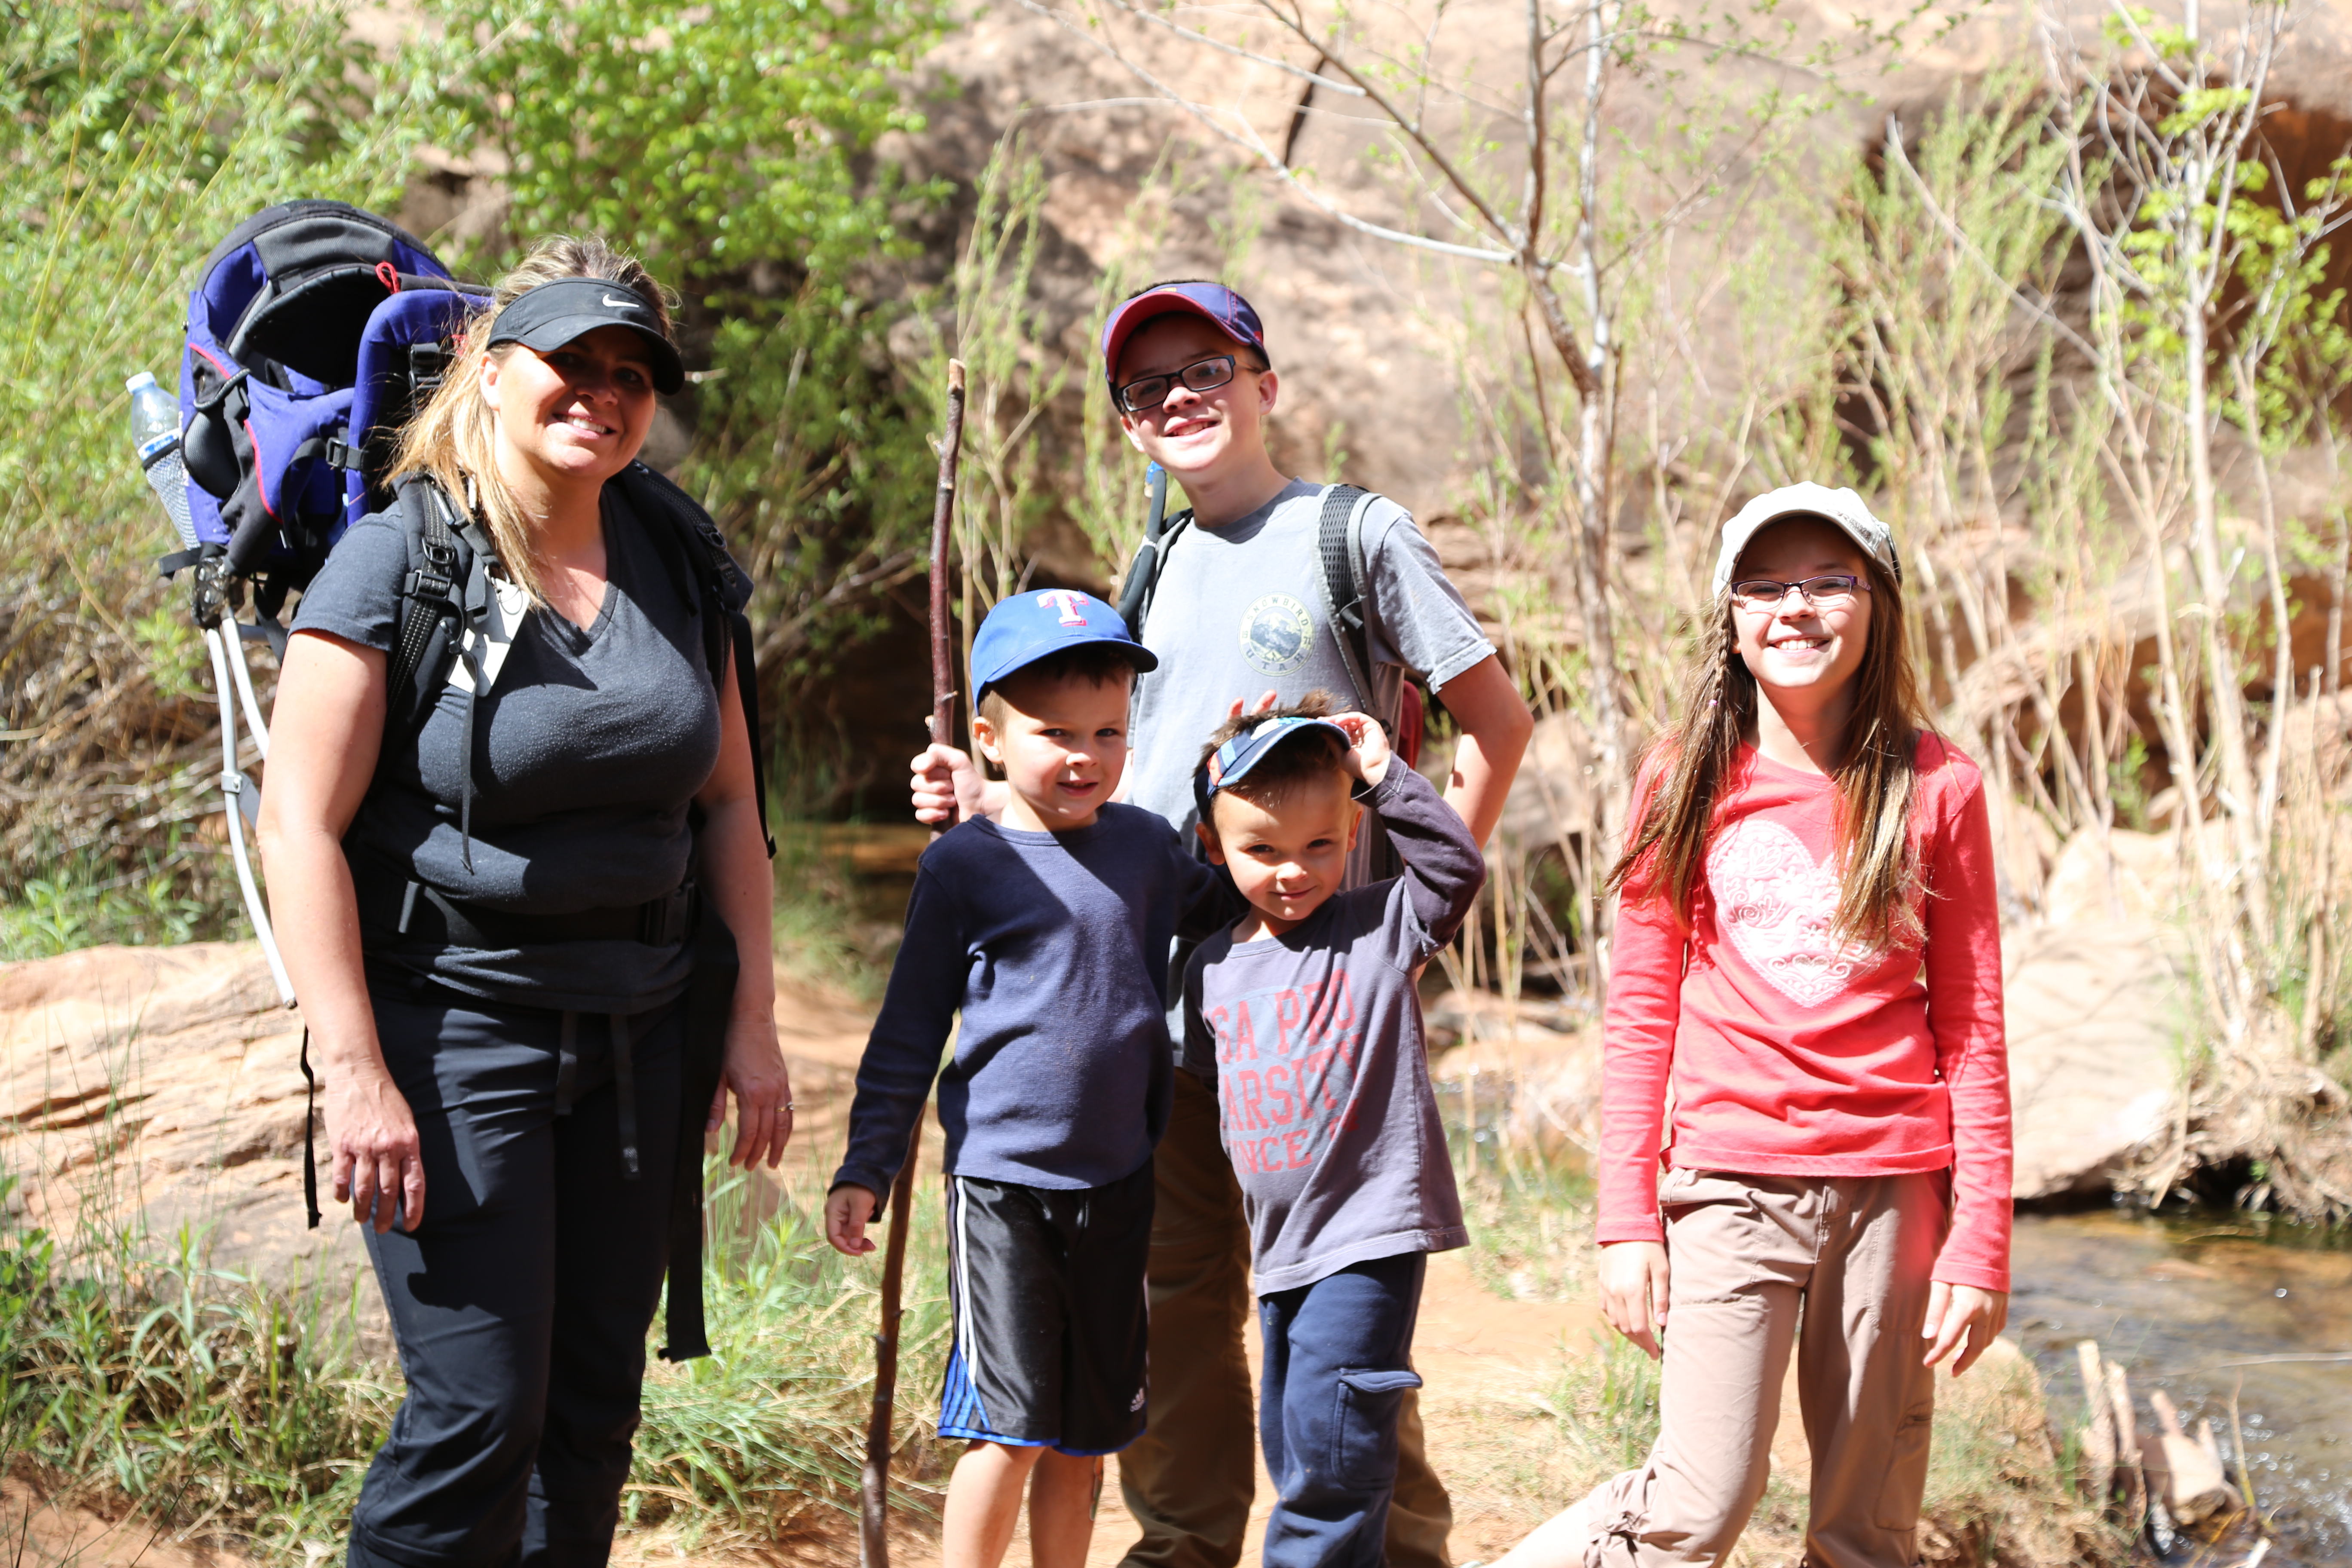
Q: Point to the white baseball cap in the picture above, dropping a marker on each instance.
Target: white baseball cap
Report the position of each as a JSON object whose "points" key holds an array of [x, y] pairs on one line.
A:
{"points": [[1842, 509]]}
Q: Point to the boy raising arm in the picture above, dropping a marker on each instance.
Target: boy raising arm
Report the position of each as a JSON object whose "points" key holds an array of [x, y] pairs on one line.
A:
{"points": [[1305, 1019], [1045, 930]]}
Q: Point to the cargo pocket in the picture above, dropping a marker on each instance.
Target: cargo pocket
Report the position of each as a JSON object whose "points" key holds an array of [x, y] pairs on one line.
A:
{"points": [[1905, 1487], [1364, 1433]]}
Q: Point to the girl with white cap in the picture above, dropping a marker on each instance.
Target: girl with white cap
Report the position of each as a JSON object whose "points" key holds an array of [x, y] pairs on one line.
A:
{"points": [[1807, 957]]}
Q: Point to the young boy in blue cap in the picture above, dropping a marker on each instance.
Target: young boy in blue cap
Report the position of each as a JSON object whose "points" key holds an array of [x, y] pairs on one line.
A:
{"points": [[1305, 1019], [1047, 927], [1240, 608]]}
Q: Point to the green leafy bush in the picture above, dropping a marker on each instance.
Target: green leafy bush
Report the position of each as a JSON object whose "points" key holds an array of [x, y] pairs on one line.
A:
{"points": [[731, 145]]}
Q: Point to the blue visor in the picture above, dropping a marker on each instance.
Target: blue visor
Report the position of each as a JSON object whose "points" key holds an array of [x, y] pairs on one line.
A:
{"points": [[1231, 762]]}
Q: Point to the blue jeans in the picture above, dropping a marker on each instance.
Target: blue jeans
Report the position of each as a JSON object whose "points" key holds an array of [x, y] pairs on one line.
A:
{"points": [[1338, 1357]]}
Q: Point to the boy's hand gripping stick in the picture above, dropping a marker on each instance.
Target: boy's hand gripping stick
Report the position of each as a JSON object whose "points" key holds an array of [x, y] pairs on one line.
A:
{"points": [[872, 1540]]}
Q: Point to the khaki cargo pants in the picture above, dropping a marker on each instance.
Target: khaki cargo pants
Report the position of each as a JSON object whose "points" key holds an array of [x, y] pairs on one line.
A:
{"points": [[1835, 1271], [1189, 1479]]}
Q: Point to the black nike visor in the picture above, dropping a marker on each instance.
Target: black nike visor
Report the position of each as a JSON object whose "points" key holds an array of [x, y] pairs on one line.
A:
{"points": [[553, 314]]}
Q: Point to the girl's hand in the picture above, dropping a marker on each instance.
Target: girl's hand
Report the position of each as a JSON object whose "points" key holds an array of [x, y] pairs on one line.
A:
{"points": [[1367, 762], [1962, 1315], [1633, 1290], [379, 1167], [848, 1211], [763, 1093]]}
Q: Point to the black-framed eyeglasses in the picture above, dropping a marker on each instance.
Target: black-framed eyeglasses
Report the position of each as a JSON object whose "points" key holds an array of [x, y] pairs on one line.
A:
{"points": [[1831, 591], [1148, 391]]}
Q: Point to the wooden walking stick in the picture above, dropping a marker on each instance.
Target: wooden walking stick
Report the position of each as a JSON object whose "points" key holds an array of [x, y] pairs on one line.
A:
{"points": [[873, 1542]]}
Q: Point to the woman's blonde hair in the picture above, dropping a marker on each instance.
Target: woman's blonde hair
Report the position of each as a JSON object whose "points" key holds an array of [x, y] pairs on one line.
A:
{"points": [[1876, 779], [451, 438]]}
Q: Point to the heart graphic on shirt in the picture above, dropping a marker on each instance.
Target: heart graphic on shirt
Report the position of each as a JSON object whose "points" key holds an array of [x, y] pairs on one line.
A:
{"points": [[1778, 904]]}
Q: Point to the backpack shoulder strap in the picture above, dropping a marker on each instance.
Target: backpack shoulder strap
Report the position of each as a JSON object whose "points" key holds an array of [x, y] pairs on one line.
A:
{"points": [[432, 602], [1141, 584], [1339, 540], [682, 527]]}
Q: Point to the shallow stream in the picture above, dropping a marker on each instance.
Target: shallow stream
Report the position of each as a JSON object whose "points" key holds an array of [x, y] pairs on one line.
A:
{"points": [[2203, 1306], [2200, 1304]]}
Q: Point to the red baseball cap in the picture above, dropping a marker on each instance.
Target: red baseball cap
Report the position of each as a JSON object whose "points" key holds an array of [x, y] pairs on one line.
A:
{"points": [[1212, 303]]}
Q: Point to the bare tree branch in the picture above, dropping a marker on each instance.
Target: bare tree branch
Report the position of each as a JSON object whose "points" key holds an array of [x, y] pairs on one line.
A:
{"points": [[1199, 38], [1252, 144], [1501, 226]]}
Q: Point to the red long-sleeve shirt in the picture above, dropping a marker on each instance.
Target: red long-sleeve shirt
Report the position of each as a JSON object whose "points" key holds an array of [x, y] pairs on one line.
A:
{"points": [[1789, 1055]]}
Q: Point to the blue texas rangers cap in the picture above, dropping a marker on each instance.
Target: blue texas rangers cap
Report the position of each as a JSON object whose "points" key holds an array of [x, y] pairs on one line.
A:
{"points": [[1026, 628], [1213, 303], [1229, 763]]}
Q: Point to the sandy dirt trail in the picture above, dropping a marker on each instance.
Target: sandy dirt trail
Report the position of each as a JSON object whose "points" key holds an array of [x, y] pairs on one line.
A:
{"points": [[1478, 1355], [1481, 1356]]}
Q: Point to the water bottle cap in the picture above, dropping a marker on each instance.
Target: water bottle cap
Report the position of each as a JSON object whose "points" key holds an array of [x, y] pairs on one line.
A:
{"points": [[144, 378]]}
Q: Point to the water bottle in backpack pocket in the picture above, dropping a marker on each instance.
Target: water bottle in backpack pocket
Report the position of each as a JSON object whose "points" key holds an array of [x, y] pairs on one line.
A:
{"points": [[156, 438]]}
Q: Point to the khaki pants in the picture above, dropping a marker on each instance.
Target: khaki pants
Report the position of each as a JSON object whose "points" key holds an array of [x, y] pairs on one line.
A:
{"points": [[1190, 1479], [1835, 1268]]}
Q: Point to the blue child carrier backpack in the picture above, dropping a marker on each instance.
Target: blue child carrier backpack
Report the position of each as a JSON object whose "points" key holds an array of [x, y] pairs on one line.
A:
{"points": [[313, 331]]}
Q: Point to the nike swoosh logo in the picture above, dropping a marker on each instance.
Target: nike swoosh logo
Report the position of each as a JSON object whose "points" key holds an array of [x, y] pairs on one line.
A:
{"points": [[611, 304]]}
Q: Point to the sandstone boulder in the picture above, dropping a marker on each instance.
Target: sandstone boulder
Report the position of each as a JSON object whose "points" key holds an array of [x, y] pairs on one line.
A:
{"points": [[2095, 1012], [157, 1091]]}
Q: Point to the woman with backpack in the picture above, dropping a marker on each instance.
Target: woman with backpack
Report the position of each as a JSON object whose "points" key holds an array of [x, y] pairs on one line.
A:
{"points": [[485, 881]]}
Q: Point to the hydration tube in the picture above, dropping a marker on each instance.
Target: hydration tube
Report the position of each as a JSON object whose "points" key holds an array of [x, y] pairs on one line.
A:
{"points": [[1137, 585], [235, 786], [245, 697]]}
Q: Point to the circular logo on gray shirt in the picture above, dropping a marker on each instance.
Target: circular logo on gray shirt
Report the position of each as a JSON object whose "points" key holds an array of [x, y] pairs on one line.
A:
{"points": [[1277, 634]]}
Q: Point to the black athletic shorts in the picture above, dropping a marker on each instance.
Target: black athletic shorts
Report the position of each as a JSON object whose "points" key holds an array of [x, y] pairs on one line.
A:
{"points": [[1047, 1286]]}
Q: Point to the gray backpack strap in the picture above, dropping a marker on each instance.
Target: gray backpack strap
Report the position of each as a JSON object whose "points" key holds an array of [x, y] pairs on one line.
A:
{"points": [[1140, 587], [1340, 554]]}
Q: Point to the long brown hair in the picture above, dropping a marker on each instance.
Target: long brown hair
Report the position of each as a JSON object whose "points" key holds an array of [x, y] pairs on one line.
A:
{"points": [[453, 436], [1877, 777]]}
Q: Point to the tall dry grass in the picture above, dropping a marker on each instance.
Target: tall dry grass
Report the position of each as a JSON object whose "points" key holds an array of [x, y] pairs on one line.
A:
{"points": [[238, 1410]]}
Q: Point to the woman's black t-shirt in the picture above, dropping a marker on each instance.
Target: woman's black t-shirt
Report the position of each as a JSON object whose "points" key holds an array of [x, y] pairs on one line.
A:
{"points": [[588, 746]]}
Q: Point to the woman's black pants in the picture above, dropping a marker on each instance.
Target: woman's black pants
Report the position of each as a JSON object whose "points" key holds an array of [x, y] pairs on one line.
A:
{"points": [[520, 1304]]}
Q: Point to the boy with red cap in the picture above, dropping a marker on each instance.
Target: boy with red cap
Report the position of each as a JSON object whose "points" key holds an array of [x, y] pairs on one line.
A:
{"points": [[1240, 606]]}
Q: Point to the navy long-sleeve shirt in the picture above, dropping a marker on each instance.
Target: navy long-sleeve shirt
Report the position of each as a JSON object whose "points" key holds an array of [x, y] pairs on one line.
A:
{"points": [[1055, 948]]}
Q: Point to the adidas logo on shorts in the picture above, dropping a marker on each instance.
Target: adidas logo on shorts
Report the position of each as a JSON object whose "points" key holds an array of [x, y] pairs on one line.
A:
{"points": [[1138, 1405]]}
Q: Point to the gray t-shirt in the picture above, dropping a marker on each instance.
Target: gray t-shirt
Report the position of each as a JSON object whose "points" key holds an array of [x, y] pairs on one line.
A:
{"points": [[1239, 610], [588, 746], [1313, 1041]]}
